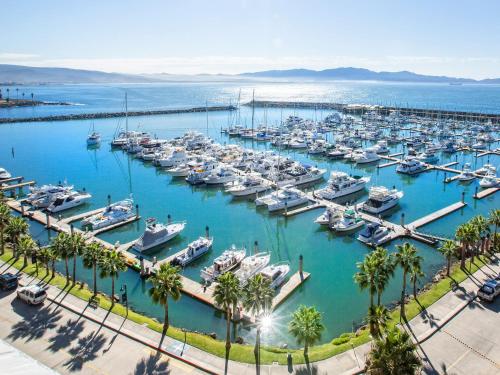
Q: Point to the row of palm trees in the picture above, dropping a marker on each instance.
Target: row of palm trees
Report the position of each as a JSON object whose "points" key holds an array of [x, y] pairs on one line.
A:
{"points": [[17, 94]]}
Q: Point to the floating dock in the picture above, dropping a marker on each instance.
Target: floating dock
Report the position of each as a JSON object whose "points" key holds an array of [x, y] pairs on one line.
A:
{"points": [[486, 192], [12, 179], [293, 283], [17, 186], [300, 210], [388, 164], [436, 215]]}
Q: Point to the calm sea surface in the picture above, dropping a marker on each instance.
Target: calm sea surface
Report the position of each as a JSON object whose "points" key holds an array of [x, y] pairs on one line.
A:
{"points": [[52, 152]]}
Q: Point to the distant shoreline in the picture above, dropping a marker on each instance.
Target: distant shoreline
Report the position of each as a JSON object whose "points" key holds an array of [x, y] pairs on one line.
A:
{"points": [[12, 103]]}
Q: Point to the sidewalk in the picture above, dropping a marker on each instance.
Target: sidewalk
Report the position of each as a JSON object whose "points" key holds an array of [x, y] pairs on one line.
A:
{"points": [[350, 362]]}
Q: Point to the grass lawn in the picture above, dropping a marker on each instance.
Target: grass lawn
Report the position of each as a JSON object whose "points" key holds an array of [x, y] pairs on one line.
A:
{"points": [[244, 353]]}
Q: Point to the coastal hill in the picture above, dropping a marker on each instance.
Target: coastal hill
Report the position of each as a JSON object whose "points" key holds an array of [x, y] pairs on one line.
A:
{"points": [[18, 74]]}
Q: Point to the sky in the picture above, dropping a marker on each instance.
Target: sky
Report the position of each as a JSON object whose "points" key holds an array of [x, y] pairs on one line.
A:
{"points": [[439, 37]]}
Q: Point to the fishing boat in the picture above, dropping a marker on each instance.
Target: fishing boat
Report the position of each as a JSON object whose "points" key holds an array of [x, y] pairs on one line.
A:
{"points": [[113, 214], [157, 234], [341, 184], [251, 265], [368, 156], [350, 220], [252, 183], [220, 176], [381, 199], [374, 234], [411, 165], [194, 250], [286, 197], [67, 200], [276, 274], [225, 262]]}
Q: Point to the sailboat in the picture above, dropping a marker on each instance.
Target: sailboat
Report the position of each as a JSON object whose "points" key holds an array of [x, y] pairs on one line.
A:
{"points": [[94, 138]]}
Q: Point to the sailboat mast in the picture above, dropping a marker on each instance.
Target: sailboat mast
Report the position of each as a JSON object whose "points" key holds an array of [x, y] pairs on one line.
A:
{"points": [[253, 107], [126, 113], [206, 111]]}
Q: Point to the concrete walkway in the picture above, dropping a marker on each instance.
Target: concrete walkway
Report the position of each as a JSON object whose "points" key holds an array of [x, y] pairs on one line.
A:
{"points": [[422, 327]]}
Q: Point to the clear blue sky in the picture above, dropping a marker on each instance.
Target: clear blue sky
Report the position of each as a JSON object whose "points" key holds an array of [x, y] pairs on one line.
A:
{"points": [[460, 38]]}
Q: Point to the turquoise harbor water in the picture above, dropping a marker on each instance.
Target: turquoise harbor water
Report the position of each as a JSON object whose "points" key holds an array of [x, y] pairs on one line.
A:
{"points": [[52, 152]]}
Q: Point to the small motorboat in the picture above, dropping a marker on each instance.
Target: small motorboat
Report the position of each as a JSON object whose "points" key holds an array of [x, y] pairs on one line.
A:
{"points": [[194, 250], [351, 220], [373, 234], [276, 273]]}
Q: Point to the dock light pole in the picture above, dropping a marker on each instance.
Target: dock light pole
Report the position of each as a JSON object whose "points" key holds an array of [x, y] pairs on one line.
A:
{"points": [[71, 229], [463, 196], [475, 194], [286, 209], [136, 210], [207, 231], [22, 209], [47, 219], [109, 199], [403, 219], [123, 289], [301, 266], [169, 218], [255, 247]]}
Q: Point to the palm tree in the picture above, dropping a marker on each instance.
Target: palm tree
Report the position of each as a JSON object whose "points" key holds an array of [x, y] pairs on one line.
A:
{"points": [[416, 273], [77, 244], [226, 294], [4, 221], [112, 263], [26, 246], [92, 255], [32, 95], [466, 234], [385, 270], [166, 282], [406, 256], [16, 227], [366, 277], [394, 354], [306, 326], [45, 256], [53, 257], [494, 219], [257, 299], [482, 227], [378, 316], [62, 246], [449, 250]]}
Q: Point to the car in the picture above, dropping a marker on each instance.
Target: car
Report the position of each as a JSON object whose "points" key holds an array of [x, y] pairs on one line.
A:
{"points": [[489, 290], [32, 294], [8, 281]]}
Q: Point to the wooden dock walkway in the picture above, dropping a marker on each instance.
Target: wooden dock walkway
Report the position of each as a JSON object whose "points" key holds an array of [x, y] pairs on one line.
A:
{"points": [[486, 192], [490, 152], [293, 283], [12, 179], [300, 210], [388, 164], [17, 186], [82, 216], [436, 215]]}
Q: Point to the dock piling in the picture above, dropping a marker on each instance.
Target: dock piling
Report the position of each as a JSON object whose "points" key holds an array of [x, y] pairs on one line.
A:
{"points": [[403, 219], [109, 199], [169, 219], [301, 266], [255, 247], [207, 231], [137, 210], [463, 196], [47, 219], [71, 229]]}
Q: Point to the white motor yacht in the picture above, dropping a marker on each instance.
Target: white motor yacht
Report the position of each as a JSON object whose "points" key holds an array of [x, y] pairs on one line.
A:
{"points": [[489, 181], [350, 220], [252, 183], [381, 147], [276, 273], [194, 250], [428, 156], [486, 169], [114, 213], [410, 165], [43, 196], [368, 156], [466, 174], [329, 216], [225, 262], [251, 265], [374, 234], [67, 200], [381, 199], [157, 234], [341, 184], [286, 197], [177, 157], [181, 170], [221, 175], [4, 174], [298, 175]]}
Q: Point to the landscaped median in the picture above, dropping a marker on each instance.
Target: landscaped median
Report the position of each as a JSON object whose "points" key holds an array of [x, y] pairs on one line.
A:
{"points": [[245, 353]]}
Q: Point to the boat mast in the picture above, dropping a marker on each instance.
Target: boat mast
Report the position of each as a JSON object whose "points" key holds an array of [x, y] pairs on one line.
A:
{"points": [[253, 108], [206, 111], [126, 113]]}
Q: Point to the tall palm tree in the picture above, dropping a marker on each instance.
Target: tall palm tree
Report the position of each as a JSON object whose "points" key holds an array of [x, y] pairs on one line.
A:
{"points": [[226, 294], [306, 326], [16, 227], [257, 299], [92, 255], [378, 317], [463, 236], [166, 282], [4, 221], [112, 263], [405, 257], [449, 249], [494, 219], [482, 227], [416, 273], [62, 247], [77, 244], [53, 257], [45, 257], [366, 277], [26, 246], [394, 354], [386, 266]]}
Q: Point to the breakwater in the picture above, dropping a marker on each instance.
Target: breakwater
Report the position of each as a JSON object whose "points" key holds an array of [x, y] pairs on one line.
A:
{"points": [[103, 115], [360, 109]]}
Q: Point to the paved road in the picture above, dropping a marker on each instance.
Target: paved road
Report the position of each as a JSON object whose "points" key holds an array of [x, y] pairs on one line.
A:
{"points": [[468, 345], [73, 345]]}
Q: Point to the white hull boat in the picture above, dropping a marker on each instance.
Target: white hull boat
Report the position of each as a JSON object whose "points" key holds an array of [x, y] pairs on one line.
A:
{"points": [[157, 234], [194, 250], [65, 201]]}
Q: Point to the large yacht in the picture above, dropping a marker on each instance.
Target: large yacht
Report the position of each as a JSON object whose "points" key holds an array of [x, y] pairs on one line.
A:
{"points": [[276, 273], [114, 213], [225, 262], [286, 197], [43, 196], [298, 175], [67, 200], [381, 199], [374, 234], [197, 175], [368, 156], [251, 266], [340, 184], [252, 183], [194, 250], [177, 157], [411, 165], [157, 234], [489, 181]]}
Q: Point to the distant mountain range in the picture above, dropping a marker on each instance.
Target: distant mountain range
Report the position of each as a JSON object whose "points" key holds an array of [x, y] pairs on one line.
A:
{"points": [[18, 74]]}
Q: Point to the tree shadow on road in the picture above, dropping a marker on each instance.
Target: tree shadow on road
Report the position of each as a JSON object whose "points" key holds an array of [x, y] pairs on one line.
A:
{"points": [[152, 365], [35, 323], [86, 350], [307, 370], [66, 334]]}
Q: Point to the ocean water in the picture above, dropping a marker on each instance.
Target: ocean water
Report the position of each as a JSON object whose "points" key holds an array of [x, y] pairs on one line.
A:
{"points": [[52, 152]]}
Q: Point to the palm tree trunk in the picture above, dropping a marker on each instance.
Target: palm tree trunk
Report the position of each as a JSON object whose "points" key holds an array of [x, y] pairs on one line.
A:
{"points": [[46, 268], [448, 268], [2, 241], [74, 267], [166, 323], [306, 349], [462, 255], [379, 297], [228, 328], [415, 288], [257, 344], [495, 238], [112, 290], [67, 268], [95, 278], [53, 268], [25, 260], [403, 293]]}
